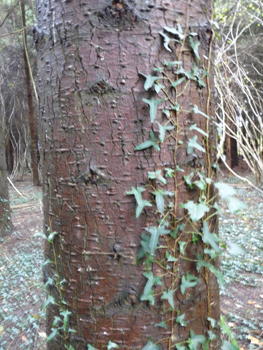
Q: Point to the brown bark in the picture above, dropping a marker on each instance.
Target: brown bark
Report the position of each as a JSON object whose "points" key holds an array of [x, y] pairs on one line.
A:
{"points": [[92, 118], [30, 103]]}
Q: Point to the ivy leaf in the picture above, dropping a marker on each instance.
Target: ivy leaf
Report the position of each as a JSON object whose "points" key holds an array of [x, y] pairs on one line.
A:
{"points": [[194, 45], [169, 172], [171, 64], [157, 175], [159, 200], [177, 82], [51, 236], [210, 238], [182, 247], [148, 143], [194, 127], [155, 232], [188, 179], [188, 281], [150, 80], [166, 41], [234, 205], [196, 211], [180, 347], [52, 334], [162, 129], [169, 296], [50, 300], [148, 292], [212, 321], [213, 269], [211, 335], [195, 340], [153, 106], [235, 249], [179, 169], [192, 143], [162, 324], [166, 112], [140, 202], [169, 257], [176, 107], [178, 31], [228, 346], [197, 111], [90, 347], [181, 321], [225, 190], [112, 345], [158, 88], [150, 346]]}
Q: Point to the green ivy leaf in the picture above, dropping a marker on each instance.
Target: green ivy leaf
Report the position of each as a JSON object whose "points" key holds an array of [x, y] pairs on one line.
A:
{"points": [[158, 88], [194, 127], [162, 325], [148, 143], [197, 111], [155, 232], [157, 175], [112, 345], [53, 333], [150, 346], [235, 205], [188, 281], [192, 143], [225, 190], [169, 257], [178, 32], [140, 202], [166, 41], [196, 210], [188, 179], [162, 129], [169, 296], [90, 347], [177, 82], [148, 292], [194, 45], [180, 347], [195, 340], [182, 247], [210, 238], [212, 321], [169, 172], [181, 320], [51, 236], [150, 80], [153, 106], [50, 300], [159, 200], [228, 346], [176, 107], [235, 249], [171, 64]]}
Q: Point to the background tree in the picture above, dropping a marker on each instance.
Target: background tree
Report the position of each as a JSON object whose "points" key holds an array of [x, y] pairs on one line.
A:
{"points": [[16, 56], [95, 64], [239, 81], [5, 212]]}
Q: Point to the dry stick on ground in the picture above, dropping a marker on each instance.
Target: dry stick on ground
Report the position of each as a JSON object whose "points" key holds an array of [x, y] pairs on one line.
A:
{"points": [[15, 188]]}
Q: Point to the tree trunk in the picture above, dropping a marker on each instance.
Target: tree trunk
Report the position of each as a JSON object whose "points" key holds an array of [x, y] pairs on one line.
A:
{"points": [[5, 211], [89, 57], [30, 103]]}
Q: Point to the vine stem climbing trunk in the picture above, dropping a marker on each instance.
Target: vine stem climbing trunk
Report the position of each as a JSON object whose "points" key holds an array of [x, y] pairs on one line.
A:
{"points": [[90, 58], [30, 103]]}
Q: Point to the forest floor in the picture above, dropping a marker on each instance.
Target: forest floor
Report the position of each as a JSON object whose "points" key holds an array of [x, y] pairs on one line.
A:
{"points": [[22, 323]]}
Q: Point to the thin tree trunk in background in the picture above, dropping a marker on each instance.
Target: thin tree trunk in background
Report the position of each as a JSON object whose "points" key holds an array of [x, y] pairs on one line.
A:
{"points": [[31, 114], [89, 57], [5, 211]]}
